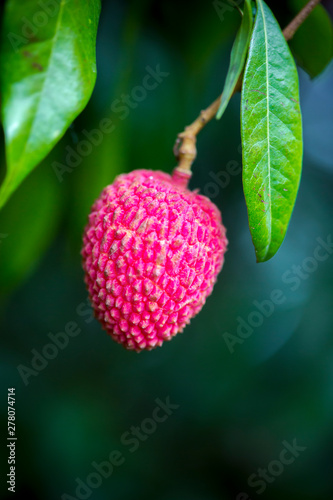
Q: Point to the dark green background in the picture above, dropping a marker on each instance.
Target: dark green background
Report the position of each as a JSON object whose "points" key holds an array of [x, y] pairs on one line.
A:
{"points": [[235, 410]]}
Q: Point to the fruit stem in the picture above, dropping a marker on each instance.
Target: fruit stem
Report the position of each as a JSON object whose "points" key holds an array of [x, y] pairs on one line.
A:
{"points": [[185, 146]]}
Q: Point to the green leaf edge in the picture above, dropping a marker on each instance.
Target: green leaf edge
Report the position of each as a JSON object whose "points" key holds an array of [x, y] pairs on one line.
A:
{"points": [[229, 86]]}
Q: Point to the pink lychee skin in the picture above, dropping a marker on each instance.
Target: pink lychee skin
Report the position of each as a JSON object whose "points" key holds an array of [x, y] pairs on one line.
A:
{"points": [[152, 251]]}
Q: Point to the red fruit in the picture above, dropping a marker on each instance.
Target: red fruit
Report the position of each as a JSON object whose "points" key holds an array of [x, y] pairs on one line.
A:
{"points": [[152, 251]]}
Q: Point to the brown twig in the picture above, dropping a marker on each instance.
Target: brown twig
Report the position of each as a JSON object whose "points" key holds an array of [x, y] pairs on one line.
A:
{"points": [[293, 26], [185, 147]]}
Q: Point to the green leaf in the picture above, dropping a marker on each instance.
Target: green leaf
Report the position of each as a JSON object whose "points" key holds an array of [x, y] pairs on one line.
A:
{"points": [[312, 43], [48, 68], [271, 127], [237, 57]]}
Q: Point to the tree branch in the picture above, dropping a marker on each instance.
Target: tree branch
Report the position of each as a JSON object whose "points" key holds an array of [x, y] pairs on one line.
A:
{"points": [[185, 147], [293, 26]]}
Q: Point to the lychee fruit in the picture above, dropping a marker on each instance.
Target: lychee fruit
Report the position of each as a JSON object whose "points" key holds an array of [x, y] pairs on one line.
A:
{"points": [[152, 250]]}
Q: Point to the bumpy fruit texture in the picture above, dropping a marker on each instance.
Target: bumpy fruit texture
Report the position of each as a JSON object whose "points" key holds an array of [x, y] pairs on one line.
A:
{"points": [[151, 254]]}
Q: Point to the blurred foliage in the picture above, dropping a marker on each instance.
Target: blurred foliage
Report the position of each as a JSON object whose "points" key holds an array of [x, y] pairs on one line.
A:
{"points": [[29, 223], [312, 44], [235, 410]]}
